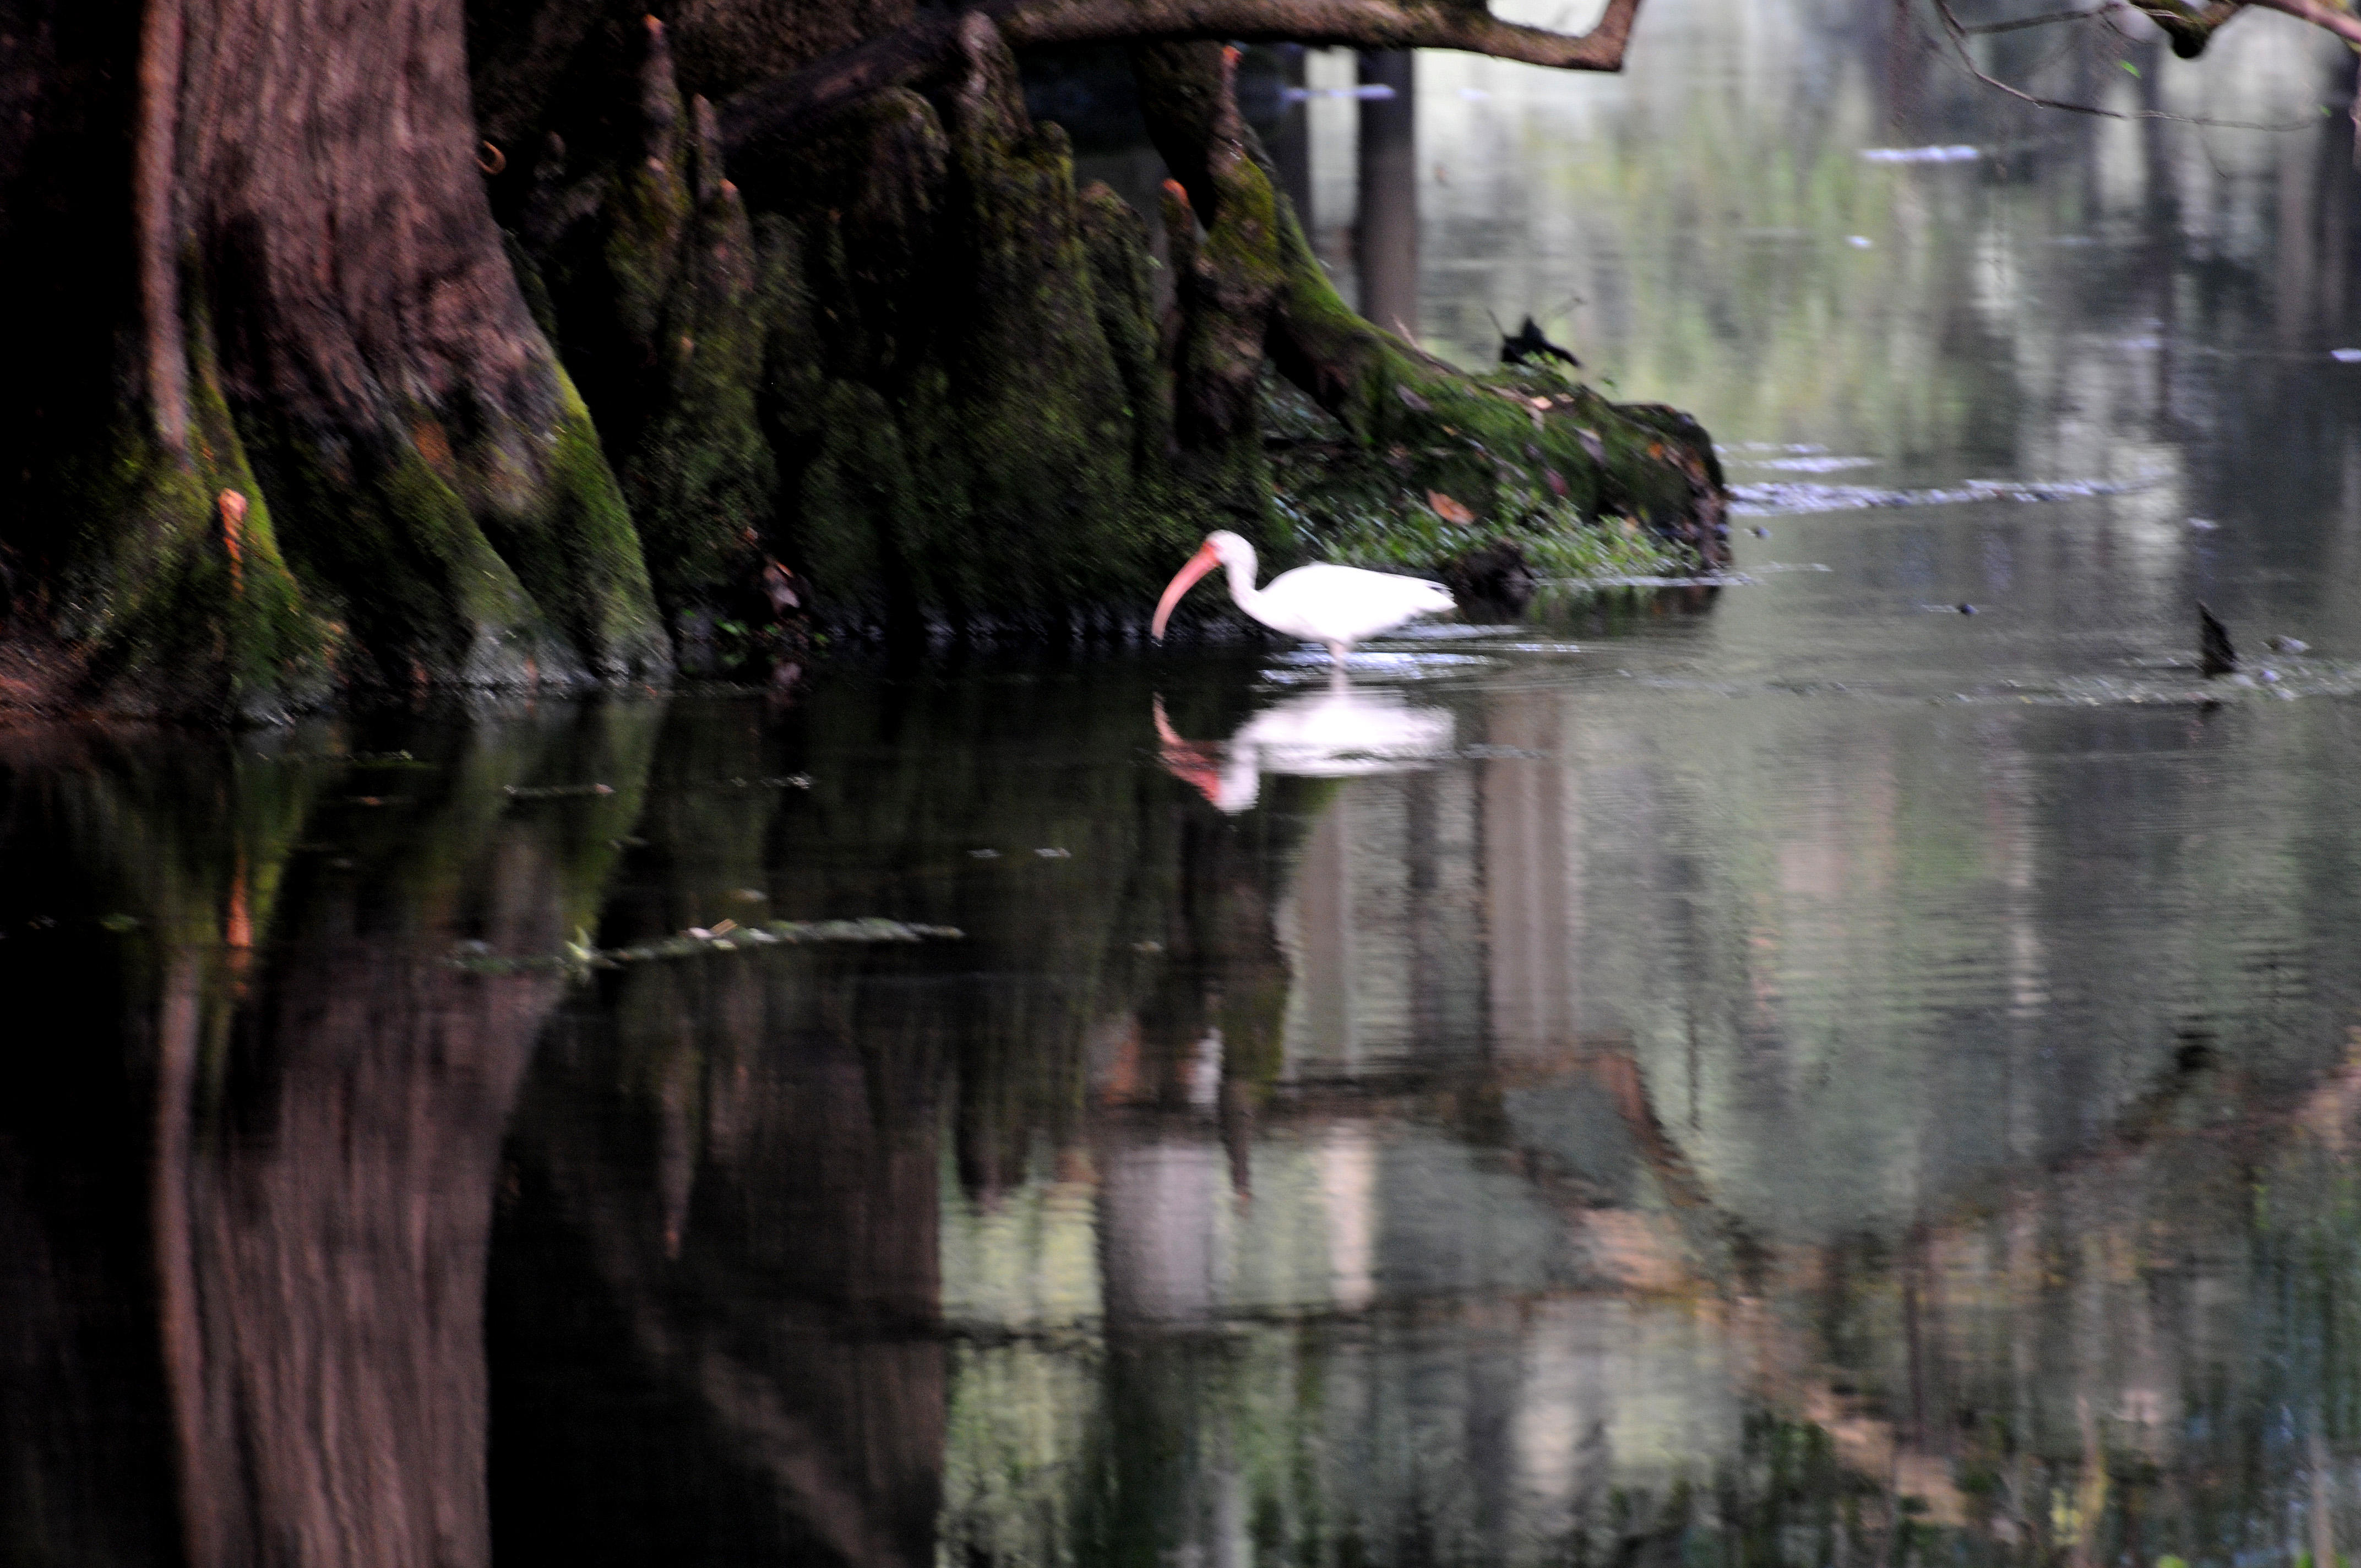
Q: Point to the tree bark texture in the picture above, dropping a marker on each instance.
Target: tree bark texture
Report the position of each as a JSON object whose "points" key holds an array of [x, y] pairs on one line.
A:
{"points": [[623, 342]]}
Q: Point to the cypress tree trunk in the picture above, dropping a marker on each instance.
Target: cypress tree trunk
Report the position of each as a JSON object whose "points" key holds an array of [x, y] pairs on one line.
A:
{"points": [[274, 275]]}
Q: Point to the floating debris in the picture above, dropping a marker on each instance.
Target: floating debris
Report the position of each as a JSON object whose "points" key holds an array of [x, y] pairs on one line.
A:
{"points": [[984, 854], [2204, 524], [2346, 355], [1055, 854], [727, 937], [1860, 241], [1778, 497], [748, 895], [554, 792], [1957, 153]]}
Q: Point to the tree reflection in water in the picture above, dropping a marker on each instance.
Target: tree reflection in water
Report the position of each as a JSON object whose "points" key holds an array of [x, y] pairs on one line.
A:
{"points": [[1275, 1183], [239, 957]]}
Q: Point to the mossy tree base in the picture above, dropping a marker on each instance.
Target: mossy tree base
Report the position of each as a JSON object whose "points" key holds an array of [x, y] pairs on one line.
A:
{"points": [[311, 434]]}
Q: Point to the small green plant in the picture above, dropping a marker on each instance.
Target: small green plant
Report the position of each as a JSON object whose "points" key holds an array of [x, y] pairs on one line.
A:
{"points": [[1410, 510], [1410, 537]]}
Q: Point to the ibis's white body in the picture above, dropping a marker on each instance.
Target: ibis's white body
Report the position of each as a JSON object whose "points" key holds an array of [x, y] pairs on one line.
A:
{"points": [[1338, 606]]}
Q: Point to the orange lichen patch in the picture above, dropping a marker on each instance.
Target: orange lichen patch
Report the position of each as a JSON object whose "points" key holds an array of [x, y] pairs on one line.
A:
{"points": [[233, 520], [433, 445]]}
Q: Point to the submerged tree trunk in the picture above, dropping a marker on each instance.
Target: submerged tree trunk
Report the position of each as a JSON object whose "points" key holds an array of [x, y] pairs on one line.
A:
{"points": [[306, 290]]}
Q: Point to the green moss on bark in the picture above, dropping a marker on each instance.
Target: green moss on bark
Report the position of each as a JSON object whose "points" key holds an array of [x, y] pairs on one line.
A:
{"points": [[577, 555], [179, 618], [962, 380], [702, 480], [1504, 445]]}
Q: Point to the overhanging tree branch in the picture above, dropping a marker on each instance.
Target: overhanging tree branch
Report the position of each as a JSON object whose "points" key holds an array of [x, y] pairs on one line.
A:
{"points": [[2343, 24], [781, 109]]}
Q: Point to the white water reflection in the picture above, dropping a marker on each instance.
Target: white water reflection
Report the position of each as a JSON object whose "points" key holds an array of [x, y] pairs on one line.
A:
{"points": [[1339, 731]]}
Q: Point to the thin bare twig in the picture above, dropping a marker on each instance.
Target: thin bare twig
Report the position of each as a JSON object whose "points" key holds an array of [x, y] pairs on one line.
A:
{"points": [[2043, 20], [1958, 32]]}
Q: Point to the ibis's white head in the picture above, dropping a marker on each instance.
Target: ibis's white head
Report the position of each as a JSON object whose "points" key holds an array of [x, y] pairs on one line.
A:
{"points": [[1221, 548]]}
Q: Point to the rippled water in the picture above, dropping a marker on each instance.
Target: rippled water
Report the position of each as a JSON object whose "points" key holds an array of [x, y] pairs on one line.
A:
{"points": [[1783, 1071]]}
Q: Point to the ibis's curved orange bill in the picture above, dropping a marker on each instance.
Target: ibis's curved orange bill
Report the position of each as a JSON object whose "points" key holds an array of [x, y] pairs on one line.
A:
{"points": [[1202, 562]]}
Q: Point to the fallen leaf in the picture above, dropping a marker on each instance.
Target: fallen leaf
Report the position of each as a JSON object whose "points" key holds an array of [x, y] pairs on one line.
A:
{"points": [[1449, 511]]}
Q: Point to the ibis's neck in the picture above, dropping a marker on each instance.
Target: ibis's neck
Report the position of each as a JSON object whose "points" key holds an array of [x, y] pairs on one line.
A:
{"points": [[1243, 591]]}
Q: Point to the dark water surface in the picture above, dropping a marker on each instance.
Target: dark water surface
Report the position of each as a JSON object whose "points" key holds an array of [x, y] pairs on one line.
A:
{"points": [[1785, 1074]]}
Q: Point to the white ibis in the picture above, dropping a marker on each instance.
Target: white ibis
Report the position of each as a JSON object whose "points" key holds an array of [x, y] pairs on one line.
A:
{"points": [[1335, 605], [1332, 734]]}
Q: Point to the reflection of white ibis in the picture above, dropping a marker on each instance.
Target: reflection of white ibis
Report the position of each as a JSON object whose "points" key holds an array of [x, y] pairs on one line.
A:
{"points": [[1330, 734], [1335, 605]]}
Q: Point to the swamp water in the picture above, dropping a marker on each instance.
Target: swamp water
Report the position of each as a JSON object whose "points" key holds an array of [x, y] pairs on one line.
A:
{"points": [[1783, 1073]]}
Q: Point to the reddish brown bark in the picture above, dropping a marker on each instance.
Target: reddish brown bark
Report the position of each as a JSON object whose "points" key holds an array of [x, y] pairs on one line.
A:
{"points": [[323, 171]]}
